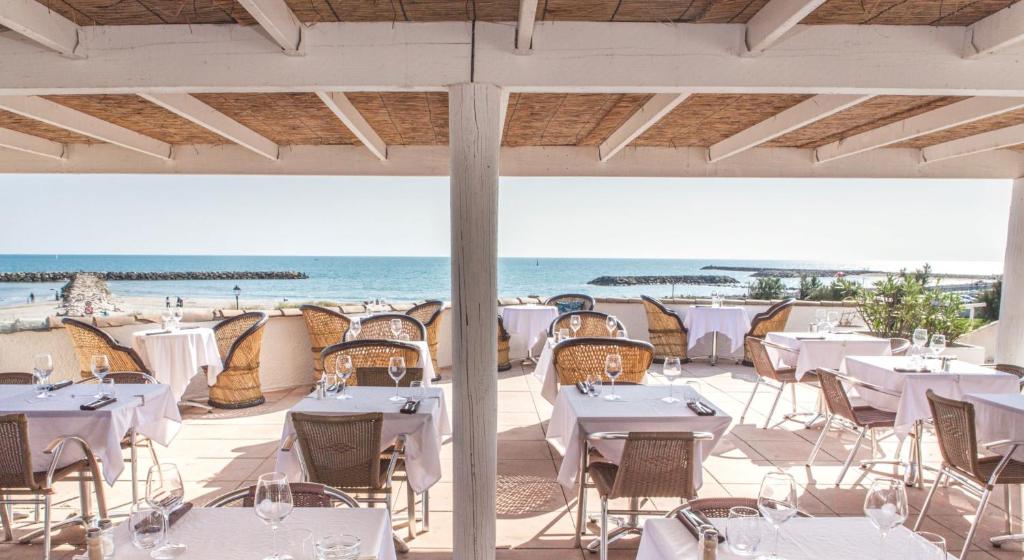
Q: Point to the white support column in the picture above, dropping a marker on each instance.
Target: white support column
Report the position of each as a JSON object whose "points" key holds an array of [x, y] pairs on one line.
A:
{"points": [[475, 129], [1010, 345], [524, 28]]}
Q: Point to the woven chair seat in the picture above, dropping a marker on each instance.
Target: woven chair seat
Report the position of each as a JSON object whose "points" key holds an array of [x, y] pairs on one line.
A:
{"points": [[871, 417], [40, 479], [603, 475], [718, 508], [1012, 474], [787, 374]]}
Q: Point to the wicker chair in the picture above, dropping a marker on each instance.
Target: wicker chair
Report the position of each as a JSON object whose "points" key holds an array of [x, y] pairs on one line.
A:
{"points": [[21, 483], [1012, 370], [772, 319], [90, 341], [593, 324], [766, 370], [239, 340], [571, 302], [718, 508], [577, 358], [653, 465], [372, 354], [958, 444], [430, 314], [17, 378], [378, 327], [378, 377], [504, 338], [325, 327], [899, 346], [666, 331], [304, 494]]}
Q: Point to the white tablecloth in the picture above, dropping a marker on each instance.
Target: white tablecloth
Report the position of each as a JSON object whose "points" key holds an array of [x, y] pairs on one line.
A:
{"points": [[158, 419], [998, 416], [639, 410], [818, 350], [175, 357], [528, 322], [732, 322], [913, 403], [237, 534], [808, 538], [424, 429]]}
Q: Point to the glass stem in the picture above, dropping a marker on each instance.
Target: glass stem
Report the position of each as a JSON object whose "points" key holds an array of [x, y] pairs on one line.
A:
{"points": [[671, 388], [775, 548], [396, 389], [167, 527], [273, 532], [613, 386]]}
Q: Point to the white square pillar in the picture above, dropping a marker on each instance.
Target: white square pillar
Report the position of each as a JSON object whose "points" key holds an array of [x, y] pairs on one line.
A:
{"points": [[1010, 345]]}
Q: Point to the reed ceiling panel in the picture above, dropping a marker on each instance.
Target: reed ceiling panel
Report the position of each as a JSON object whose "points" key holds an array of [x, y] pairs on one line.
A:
{"points": [[149, 12], [905, 12], [970, 129], [414, 118], [705, 119], [559, 119], [135, 113], [284, 118], [42, 130]]}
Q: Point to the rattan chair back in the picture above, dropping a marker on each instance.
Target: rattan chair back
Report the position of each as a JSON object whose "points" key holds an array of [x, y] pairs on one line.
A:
{"points": [[304, 494], [90, 341], [430, 314], [240, 341], [342, 451], [504, 339], [17, 378], [131, 378], [577, 358], [656, 464], [1011, 369], [325, 327], [954, 429], [15, 454], [665, 329], [379, 377], [899, 346], [718, 508], [772, 319], [593, 324], [763, 364], [836, 398], [586, 302], [371, 354], [378, 327]]}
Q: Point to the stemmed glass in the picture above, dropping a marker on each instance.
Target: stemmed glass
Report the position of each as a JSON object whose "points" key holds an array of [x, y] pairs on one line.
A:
{"points": [[396, 328], [671, 369], [886, 507], [343, 368], [165, 319], [273, 502], [165, 492], [777, 503], [820, 318], [42, 368], [938, 345], [920, 339], [612, 323], [575, 323], [178, 315], [354, 328], [612, 368], [100, 367], [396, 369], [833, 320]]}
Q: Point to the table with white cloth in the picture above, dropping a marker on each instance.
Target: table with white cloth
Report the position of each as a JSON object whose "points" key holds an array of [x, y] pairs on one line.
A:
{"points": [[150, 409], [546, 373], [640, 410], [731, 321], [529, 322], [175, 356], [801, 538], [824, 350], [423, 429], [235, 533], [998, 416]]}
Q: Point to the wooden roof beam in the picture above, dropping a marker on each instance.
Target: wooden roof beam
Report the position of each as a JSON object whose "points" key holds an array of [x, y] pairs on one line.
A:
{"points": [[525, 25], [774, 20], [37, 22], [29, 144], [976, 144], [646, 117], [60, 116], [278, 21], [996, 32], [956, 114], [797, 116], [188, 107], [342, 108]]}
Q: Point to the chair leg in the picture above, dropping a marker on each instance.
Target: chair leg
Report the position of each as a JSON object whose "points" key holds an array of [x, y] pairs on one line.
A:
{"points": [[46, 528], [974, 525], [753, 392], [1009, 508], [581, 511], [771, 412], [425, 524], [411, 498], [135, 466], [928, 498], [604, 528], [821, 439], [853, 453], [5, 518], [792, 392]]}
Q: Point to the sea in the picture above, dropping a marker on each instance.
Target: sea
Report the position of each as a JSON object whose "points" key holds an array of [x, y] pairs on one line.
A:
{"points": [[399, 279]]}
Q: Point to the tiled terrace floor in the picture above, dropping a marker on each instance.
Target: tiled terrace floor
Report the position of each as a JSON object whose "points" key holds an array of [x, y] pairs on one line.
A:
{"points": [[221, 451]]}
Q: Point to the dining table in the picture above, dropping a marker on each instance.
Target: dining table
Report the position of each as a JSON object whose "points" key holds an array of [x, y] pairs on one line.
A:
{"points": [[174, 356], [729, 321], [823, 350], [529, 322], [998, 417]]}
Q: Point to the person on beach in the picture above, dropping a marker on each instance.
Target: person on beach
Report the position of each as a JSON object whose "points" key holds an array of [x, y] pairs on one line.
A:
{"points": [[180, 302], [167, 302], [31, 297]]}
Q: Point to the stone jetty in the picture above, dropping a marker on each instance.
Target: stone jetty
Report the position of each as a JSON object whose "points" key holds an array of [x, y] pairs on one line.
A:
{"points": [[87, 294], [698, 280], [761, 272], [199, 275]]}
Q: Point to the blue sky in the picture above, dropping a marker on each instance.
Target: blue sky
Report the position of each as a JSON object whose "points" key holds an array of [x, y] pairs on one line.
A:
{"points": [[936, 220]]}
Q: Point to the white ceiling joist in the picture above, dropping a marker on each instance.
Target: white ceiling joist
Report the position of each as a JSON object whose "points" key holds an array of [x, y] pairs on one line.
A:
{"points": [[797, 116], [188, 107], [996, 32], [524, 27], [29, 144], [774, 20], [278, 21], [959, 113], [984, 142], [342, 108], [60, 116], [37, 22], [645, 117]]}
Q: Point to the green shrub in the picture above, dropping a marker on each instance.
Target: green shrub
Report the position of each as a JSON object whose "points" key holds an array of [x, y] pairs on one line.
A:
{"points": [[901, 303], [991, 297], [766, 288]]}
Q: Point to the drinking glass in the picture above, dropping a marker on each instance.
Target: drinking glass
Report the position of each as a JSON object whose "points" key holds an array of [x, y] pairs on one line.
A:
{"points": [[100, 367], [396, 369], [178, 315], [612, 323], [418, 390], [343, 368], [165, 319], [920, 339], [338, 547], [833, 320], [273, 502], [299, 544], [820, 317], [165, 492], [777, 503], [621, 333], [563, 334], [743, 530], [886, 507], [575, 323], [146, 524], [42, 368], [396, 328], [354, 328], [927, 546], [938, 345], [594, 385], [612, 368], [671, 369]]}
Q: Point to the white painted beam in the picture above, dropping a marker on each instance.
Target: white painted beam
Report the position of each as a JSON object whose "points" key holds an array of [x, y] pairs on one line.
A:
{"points": [[970, 145], [278, 21], [650, 113], [996, 32], [29, 144], [959, 113], [797, 116], [67, 118], [35, 21], [200, 113], [354, 121], [524, 27], [774, 20], [1010, 336]]}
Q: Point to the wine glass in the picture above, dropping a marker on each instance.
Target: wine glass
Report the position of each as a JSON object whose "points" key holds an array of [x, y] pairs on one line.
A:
{"points": [[777, 502], [920, 339], [273, 502], [886, 507], [820, 317], [396, 369], [927, 546], [938, 345], [833, 320], [354, 328], [671, 369], [178, 315], [575, 323], [396, 328], [343, 368], [612, 368], [563, 334], [100, 367], [165, 318], [743, 530], [42, 368], [594, 385], [612, 323], [165, 492]]}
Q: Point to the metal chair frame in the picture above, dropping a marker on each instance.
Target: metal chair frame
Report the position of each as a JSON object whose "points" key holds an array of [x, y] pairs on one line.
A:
{"points": [[782, 385]]}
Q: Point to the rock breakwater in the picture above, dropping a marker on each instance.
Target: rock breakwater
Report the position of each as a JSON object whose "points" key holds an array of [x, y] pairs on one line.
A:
{"points": [[87, 294], [129, 276], [698, 280]]}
